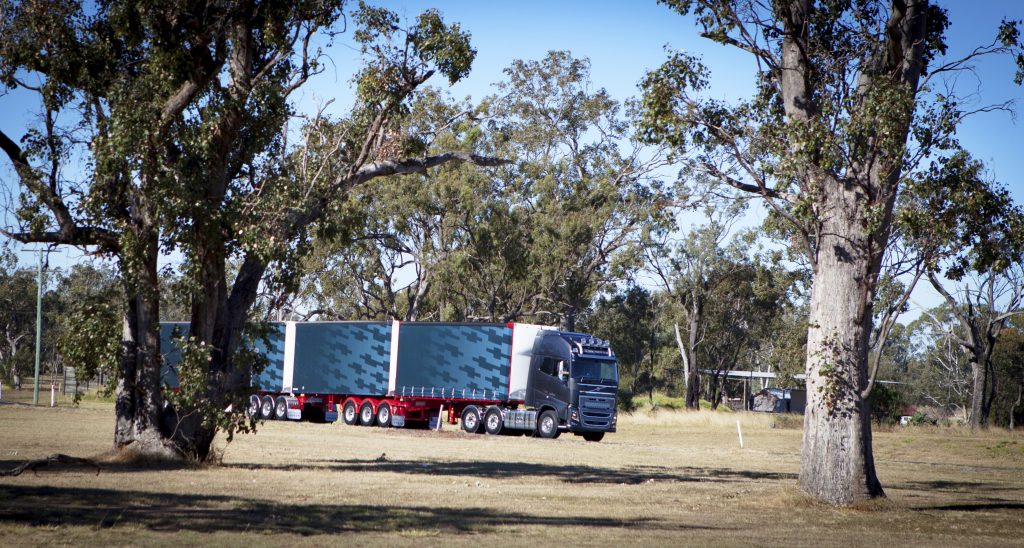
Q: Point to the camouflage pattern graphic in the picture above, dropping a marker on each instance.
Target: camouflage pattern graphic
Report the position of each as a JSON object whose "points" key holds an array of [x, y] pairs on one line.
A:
{"points": [[342, 358], [272, 376], [269, 379], [460, 357]]}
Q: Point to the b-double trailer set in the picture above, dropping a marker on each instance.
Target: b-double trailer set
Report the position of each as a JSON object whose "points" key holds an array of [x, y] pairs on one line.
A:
{"points": [[493, 378]]}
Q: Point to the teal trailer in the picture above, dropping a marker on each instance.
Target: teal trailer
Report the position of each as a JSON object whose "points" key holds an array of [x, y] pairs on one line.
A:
{"points": [[494, 378]]}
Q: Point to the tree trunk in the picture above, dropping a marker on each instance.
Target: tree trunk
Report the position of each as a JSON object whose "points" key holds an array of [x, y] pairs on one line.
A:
{"points": [[1013, 408], [141, 424], [982, 394], [569, 319], [714, 392], [837, 464], [686, 361], [219, 319], [696, 317]]}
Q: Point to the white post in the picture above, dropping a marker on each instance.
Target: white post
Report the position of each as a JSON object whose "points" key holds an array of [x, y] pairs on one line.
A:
{"points": [[53, 395], [1, 390], [439, 421], [740, 432]]}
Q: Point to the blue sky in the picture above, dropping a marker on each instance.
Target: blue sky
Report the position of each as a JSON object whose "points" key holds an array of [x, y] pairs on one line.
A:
{"points": [[626, 38]]}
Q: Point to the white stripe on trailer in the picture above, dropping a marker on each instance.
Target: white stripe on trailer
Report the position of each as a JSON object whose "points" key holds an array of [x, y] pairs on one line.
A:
{"points": [[523, 337], [393, 368], [289, 357]]}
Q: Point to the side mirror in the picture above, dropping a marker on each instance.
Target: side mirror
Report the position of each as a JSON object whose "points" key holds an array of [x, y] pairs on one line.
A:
{"points": [[563, 372]]}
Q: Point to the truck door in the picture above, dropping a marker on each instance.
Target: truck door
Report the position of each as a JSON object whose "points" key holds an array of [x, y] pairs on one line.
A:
{"points": [[545, 386]]}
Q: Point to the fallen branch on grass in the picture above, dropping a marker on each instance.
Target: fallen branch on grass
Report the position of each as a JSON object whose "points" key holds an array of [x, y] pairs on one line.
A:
{"points": [[56, 458]]}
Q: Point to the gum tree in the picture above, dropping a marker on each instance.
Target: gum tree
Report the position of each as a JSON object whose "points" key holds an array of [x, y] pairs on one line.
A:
{"points": [[845, 108], [174, 116]]}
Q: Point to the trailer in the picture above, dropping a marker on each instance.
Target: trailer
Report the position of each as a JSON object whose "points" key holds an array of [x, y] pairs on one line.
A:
{"points": [[496, 378]]}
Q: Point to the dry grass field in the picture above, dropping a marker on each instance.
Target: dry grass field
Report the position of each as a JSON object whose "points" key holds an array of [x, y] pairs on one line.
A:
{"points": [[668, 479]]}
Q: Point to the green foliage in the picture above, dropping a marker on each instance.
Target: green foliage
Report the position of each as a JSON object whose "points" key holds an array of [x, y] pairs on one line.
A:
{"points": [[91, 342], [938, 372], [853, 112], [1009, 37], [186, 111], [960, 222], [629, 321], [537, 239], [918, 418], [17, 318], [1008, 362], [887, 404], [626, 400]]}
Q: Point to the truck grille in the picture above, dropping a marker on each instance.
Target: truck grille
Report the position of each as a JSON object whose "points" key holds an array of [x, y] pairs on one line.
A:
{"points": [[597, 411]]}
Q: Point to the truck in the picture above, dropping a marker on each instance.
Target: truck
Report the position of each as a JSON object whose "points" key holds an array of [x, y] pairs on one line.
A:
{"points": [[513, 378]]}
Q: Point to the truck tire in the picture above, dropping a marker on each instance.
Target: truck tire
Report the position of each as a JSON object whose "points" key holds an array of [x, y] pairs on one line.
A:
{"points": [[254, 406], [593, 436], [384, 415], [471, 419], [267, 408], [493, 421], [281, 409], [547, 425], [366, 416], [349, 414]]}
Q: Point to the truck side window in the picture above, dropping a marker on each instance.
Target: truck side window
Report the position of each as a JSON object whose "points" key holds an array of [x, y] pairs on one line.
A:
{"points": [[549, 366]]}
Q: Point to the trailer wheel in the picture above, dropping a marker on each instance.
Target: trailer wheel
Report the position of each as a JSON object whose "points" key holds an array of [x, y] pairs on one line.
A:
{"points": [[547, 425], [281, 409], [366, 414], [267, 408], [384, 415], [254, 406], [471, 419], [349, 413], [493, 421], [593, 436]]}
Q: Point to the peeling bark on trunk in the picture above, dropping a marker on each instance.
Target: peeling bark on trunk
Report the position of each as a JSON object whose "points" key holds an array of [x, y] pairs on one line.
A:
{"points": [[837, 463], [852, 226]]}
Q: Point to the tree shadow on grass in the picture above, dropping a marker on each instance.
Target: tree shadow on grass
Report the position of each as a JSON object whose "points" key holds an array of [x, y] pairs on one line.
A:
{"points": [[959, 486], [102, 508], [575, 474], [975, 507], [510, 470], [105, 466]]}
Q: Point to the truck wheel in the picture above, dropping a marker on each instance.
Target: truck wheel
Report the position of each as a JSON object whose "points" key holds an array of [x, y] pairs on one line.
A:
{"points": [[471, 419], [384, 415], [281, 409], [492, 421], [593, 436], [349, 413], [267, 408], [366, 414], [254, 406], [547, 425]]}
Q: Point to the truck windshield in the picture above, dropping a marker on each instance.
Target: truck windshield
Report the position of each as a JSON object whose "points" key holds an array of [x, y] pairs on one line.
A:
{"points": [[595, 369]]}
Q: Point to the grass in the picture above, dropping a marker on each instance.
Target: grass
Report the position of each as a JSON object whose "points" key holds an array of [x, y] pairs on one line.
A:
{"points": [[667, 477]]}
